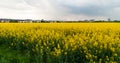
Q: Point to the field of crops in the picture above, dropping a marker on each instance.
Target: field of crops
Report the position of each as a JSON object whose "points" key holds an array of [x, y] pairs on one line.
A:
{"points": [[59, 42]]}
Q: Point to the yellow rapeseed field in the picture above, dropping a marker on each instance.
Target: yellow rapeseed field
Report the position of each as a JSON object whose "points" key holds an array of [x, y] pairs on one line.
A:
{"points": [[64, 42]]}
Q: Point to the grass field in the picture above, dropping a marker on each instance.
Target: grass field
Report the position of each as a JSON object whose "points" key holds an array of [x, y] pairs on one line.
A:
{"points": [[59, 42]]}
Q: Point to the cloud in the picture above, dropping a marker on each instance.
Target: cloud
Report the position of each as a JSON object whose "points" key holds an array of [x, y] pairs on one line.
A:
{"points": [[105, 8], [60, 9], [16, 9], [92, 7]]}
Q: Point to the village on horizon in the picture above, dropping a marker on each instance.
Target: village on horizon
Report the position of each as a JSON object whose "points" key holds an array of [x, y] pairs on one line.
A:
{"points": [[6, 20]]}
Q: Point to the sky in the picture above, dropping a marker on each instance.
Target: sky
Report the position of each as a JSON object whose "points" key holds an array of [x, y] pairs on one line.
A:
{"points": [[60, 9]]}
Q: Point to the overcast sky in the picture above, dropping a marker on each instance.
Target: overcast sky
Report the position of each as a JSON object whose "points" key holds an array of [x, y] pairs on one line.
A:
{"points": [[60, 9]]}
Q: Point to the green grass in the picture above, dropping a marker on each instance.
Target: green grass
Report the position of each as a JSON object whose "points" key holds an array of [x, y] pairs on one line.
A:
{"points": [[8, 55]]}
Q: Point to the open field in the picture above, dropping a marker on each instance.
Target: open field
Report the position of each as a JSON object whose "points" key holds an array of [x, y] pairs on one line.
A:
{"points": [[59, 42]]}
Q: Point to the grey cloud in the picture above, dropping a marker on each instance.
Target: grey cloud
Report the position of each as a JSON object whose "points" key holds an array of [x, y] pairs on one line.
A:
{"points": [[95, 8], [88, 10], [59, 9]]}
